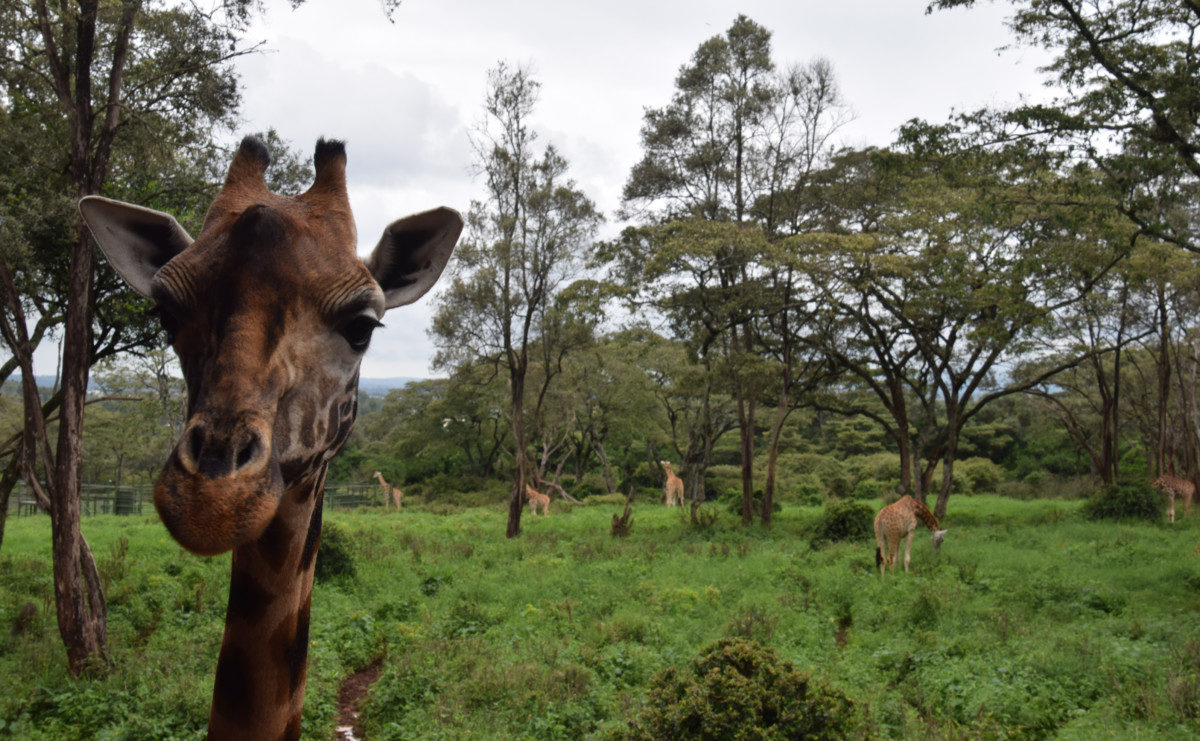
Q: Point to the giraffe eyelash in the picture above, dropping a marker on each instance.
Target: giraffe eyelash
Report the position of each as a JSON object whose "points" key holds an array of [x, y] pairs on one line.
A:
{"points": [[357, 331]]}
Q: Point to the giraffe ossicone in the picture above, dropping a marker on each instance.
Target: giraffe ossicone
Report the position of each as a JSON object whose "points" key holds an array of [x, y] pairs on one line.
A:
{"points": [[270, 311]]}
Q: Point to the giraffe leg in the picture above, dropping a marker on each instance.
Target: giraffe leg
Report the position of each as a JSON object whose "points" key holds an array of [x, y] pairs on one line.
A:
{"points": [[1171, 506], [908, 548]]}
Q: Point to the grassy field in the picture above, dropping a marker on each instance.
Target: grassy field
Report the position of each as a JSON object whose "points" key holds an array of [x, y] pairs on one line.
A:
{"points": [[1030, 622]]}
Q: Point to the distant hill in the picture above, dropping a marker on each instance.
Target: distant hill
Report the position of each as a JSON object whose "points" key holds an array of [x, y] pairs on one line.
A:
{"points": [[381, 386]]}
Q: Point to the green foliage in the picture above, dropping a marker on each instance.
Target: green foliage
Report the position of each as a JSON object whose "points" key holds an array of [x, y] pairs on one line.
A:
{"points": [[1127, 500], [844, 520], [335, 556], [867, 489], [737, 689], [981, 474]]}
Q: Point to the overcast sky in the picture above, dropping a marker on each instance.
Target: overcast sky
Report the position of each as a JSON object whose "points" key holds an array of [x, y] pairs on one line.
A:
{"points": [[405, 94]]}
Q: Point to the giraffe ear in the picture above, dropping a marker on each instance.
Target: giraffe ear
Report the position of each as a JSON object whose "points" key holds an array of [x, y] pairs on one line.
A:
{"points": [[412, 254], [137, 241]]}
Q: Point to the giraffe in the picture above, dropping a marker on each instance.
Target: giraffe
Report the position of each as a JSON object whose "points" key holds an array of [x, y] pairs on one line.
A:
{"points": [[673, 486], [389, 492], [270, 311], [899, 520], [535, 498], [1173, 486]]}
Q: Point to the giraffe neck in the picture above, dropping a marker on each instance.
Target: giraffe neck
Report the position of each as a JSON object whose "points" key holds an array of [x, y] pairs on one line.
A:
{"points": [[259, 688], [924, 515]]}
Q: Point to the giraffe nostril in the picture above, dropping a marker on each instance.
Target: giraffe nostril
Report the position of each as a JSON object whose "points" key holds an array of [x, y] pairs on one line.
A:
{"points": [[195, 443], [247, 453]]}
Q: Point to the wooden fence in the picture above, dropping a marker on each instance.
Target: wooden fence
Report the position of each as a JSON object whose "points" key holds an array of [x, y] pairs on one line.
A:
{"points": [[99, 499]]}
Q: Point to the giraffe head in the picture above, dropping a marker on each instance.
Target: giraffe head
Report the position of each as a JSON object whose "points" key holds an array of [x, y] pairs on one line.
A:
{"points": [[938, 537], [270, 311]]}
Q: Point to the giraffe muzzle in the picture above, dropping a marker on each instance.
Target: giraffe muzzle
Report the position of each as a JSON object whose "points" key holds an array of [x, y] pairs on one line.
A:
{"points": [[220, 488]]}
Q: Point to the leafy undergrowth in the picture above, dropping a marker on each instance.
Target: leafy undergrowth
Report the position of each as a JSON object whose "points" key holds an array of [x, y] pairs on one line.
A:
{"points": [[1031, 621]]}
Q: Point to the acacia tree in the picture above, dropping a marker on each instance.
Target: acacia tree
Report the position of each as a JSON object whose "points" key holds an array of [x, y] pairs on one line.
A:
{"points": [[985, 245], [525, 241], [1087, 397], [735, 135], [1129, 71]]}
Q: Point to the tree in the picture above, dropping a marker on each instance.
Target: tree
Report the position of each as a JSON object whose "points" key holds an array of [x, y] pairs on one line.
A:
{"points": [[525, 242], [1129, 71], [118, 98], [736, 135], [984, 245]]}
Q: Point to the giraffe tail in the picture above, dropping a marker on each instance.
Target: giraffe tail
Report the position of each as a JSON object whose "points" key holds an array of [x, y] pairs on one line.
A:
{"points": [[878, 556]]}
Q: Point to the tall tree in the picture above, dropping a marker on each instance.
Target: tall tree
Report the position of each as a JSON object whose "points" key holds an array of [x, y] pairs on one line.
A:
{"points": [[525, 241], [735, 135]]}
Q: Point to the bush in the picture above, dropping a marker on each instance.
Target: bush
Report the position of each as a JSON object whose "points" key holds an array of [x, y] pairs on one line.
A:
{"points": [[733, 501], [844, 520], [883, 467], [982, 475], [738, 689], [867, 489], [1125, 501], [334, 557], [806, 490]]}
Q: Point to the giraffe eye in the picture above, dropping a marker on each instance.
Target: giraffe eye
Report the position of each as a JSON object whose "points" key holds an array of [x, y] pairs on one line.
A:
{"points": [[358, 331], [168, 321]]}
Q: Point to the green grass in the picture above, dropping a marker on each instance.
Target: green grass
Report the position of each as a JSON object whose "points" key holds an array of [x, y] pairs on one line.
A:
{"points": [[1031, 621]]}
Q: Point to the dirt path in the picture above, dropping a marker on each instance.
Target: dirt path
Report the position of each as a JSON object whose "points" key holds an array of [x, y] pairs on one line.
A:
{"points": [[353, 690]]}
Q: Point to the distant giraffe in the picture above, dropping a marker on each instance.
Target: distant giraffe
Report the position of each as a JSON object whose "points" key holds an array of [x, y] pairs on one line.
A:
{"points": [[535, 498], [673, 486], [897, 521], [1173, 486], [390, 492]]}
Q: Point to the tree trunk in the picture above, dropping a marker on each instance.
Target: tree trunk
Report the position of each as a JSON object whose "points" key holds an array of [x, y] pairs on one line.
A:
{"points": [[781, 414], [602, 456], [516, 502], [7, 482], [947, 484], [745, 403], [953, 425], [82, 610], [1164, 382]]}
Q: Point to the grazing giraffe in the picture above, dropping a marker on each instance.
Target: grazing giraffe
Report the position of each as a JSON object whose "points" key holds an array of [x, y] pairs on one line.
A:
{"points": [[535, 497], [672, 487], [899, 520], [270, 311], [1173, 486], [390, 492]]}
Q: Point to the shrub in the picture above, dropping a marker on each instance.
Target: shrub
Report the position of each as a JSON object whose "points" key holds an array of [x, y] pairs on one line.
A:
{"points": [[1128, 500], [879, 466], [844, 520], [738, 689], [804, 489], [982, 475], [334, 557], [867, 489], [733, 501]]}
